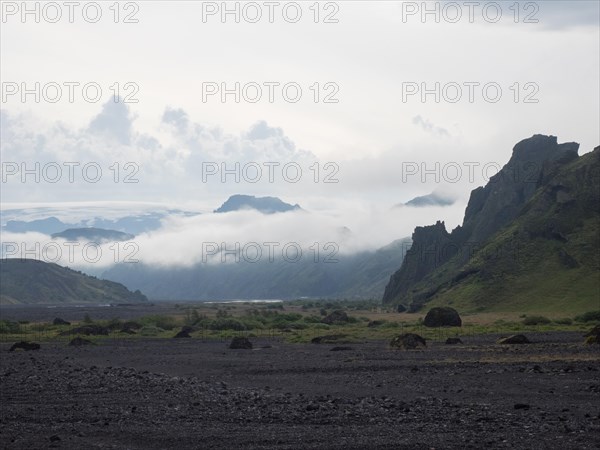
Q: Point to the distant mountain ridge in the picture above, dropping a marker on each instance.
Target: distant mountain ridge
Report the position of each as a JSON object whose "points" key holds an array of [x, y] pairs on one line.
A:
{"points": [[356, 276], [98, 235], [29, 281], [540, 211], [266, 205], [433, 199]]}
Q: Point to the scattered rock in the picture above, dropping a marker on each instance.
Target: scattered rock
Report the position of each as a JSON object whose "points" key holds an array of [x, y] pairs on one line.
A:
{"points": [[408, 341], [23, 345], [340, 348], [79, 341], [453, 341], [59, 321], [375, 323], [54, 438], [240, 343], [130, 327], [514, 339], [401, 308], [521, 406], [329, 339], [336, 317], [442, 317], [183, 334]]}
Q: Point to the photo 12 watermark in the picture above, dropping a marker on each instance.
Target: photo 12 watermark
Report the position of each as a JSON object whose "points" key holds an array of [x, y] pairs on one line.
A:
{"points": [[269, 171], [69, 12], [269, 92], [453, 172], [69, 91], [470, 12], [72, 252], [270, 12], [469, 91], [68, 171], [254, 252]]}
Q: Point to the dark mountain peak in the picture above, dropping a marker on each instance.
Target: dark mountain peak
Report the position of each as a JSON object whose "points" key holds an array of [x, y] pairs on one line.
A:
{"points": [[432, 199], [540, 148], [266, 205]]}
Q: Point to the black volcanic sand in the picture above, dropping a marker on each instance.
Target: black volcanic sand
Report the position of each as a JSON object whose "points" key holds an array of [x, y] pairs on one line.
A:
{"points": [[185, 393]]}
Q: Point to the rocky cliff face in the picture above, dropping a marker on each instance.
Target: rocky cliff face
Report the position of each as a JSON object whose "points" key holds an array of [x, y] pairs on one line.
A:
{"points": [[440, 258]]}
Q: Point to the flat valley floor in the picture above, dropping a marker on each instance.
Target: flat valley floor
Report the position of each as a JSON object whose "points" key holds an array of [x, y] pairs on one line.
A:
{"points": [[186, 393]]}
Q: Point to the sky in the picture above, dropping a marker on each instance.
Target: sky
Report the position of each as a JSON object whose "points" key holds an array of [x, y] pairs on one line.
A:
{"points": [[346, 108]]}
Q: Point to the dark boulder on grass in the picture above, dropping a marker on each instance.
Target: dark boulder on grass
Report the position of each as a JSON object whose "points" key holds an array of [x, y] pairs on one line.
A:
{"points": [[514, 339], [336, 317], [401, 308], [131, 327], [240, 343], [59, 321], [443, 316], [79, 341], [453, 341], [329, 339], [340, 348], [24, 345], [375, 323], [407, 341], [184, 333]]}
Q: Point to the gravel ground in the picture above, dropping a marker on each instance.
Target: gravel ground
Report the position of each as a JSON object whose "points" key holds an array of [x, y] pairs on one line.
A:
{"points": [[185, 393]]}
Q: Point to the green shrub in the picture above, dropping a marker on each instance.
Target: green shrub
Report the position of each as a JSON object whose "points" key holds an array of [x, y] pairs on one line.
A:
{"points": [[564, 321], [150, 330], [226, 324], [159, 321], [590, 316], [536, 320], [9, 327]]}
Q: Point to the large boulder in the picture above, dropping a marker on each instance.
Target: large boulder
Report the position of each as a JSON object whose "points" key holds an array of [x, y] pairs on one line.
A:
{"points": [[23, 345], [514, 339], [408, 341], [442, 317], [453, 341], [330, 339], [184, 333], [79, 341], [336, 317], [240, 343]]}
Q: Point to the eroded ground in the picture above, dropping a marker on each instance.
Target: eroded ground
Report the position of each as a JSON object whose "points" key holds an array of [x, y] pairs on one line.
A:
{"points": [[185, 393]]}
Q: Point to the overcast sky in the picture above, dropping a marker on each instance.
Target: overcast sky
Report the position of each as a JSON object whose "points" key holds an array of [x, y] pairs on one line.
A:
{"points": [[175, 131]]}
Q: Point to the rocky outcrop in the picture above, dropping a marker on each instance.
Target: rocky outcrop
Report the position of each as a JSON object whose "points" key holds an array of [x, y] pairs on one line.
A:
{"points": [[439, 260], [240, 343], [336, 317]]}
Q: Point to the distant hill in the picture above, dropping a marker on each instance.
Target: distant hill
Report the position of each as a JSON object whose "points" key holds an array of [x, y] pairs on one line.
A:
{"points": [[28, 281], [132, 224], [433, 199], [529, 240], [266, 205], [91, 234], [360, 275]]}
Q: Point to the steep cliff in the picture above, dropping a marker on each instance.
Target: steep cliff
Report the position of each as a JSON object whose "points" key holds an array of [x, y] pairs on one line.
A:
{"points": [[540, 211]]}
